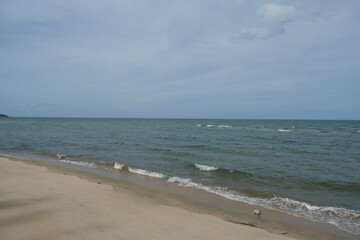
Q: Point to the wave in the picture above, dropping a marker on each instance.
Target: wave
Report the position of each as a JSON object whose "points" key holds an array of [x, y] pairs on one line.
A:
{"points": [[283, 130], [345, 219], [163, 150], [317, 130], [205, 167], [143, 172], [80, 163], [205, 148], [171, 153], [147, 173], [300, 129], [213, 125], [224, 126], [221, 172], [118, 165]]}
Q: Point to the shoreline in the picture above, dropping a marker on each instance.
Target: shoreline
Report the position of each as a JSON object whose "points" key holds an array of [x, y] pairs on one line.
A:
{"points": [[195, 201]]}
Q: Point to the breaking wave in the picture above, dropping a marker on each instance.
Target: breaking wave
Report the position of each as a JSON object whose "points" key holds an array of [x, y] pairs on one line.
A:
{"points": [[118, 165], [223, 172], [80, 163], [212, 125], [147, 173], [205, 167], [283, 130], [143, 172]]}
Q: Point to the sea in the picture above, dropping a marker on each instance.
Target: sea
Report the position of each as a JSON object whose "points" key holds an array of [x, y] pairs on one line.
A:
{"points": [[306, 168]]}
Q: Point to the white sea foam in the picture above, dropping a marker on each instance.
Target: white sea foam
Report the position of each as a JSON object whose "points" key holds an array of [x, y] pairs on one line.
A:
{"points": [[205, 167], [59, 156], [345, 219], [283, 130], [182, 181], [187, 182], [139, 171], [146, 173], [118, 165], [80, 163], [212, 125]]}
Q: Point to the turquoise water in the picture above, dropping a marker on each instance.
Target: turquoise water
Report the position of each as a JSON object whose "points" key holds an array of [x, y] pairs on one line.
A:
{"points": [[306, 168]]}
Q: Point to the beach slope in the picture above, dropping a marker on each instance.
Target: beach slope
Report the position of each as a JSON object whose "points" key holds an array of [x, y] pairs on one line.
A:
{"points": [[38, 203]]}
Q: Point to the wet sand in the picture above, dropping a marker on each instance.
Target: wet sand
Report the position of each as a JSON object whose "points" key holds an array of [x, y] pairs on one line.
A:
{"points": [[44, 201]]}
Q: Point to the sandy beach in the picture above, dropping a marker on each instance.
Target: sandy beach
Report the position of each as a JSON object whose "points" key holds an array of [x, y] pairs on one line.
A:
{"points": [[50, 202]]}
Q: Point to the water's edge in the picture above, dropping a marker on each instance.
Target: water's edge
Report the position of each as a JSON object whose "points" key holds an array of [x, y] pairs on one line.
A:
{"points": [[295, 224]]}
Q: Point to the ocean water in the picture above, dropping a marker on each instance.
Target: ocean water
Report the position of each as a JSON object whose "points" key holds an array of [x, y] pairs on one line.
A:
{"points": [[306, 168]]}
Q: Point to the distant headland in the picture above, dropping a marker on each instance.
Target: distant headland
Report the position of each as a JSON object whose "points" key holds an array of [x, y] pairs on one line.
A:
{"points": [[3, 115]]}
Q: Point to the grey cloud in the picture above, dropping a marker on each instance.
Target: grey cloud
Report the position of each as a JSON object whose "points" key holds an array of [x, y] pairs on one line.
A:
{"points": [[275, 13], [273, 17]]}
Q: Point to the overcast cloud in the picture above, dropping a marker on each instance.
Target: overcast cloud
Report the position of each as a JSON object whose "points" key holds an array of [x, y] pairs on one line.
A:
{"points": [[180, 59]]}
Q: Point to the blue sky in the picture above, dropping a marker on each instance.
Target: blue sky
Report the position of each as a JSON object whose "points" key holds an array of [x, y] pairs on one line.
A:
{"points": [[296, 59]]}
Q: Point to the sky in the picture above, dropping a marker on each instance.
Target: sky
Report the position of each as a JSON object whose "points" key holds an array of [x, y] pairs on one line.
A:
{"points": [[242, 59]]}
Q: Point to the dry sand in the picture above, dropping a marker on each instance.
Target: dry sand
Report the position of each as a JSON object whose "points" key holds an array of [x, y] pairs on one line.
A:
{"points": [[38, 202]]}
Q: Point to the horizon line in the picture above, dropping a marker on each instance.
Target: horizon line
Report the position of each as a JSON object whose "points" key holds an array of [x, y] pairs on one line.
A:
{"points": [[191, 118]]}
